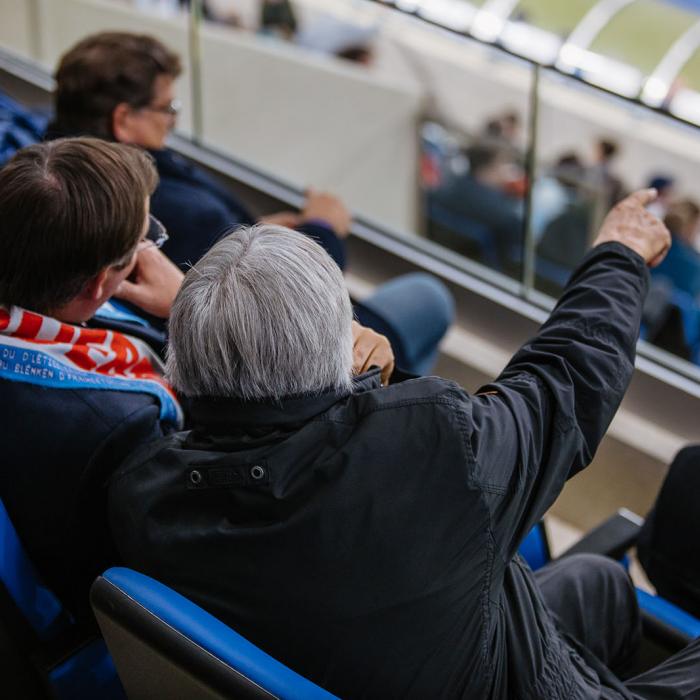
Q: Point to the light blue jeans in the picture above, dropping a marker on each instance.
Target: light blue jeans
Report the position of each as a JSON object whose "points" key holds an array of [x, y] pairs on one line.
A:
{"points": [[414, 312]]}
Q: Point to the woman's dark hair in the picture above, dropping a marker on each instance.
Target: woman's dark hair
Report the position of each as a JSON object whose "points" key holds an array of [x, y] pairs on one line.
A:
{"points": [[68, 209], [101, 72]]}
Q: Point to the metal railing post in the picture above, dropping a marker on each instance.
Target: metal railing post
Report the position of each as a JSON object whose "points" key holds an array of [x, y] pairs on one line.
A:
{"points": [[195, 19], [528, 257]]}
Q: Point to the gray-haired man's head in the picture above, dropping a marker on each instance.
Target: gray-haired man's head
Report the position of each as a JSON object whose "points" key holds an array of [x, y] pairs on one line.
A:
{"points": [[263, 315]]}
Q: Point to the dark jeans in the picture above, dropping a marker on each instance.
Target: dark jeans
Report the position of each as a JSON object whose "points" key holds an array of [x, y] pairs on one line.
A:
{"points": [[594, 602]]}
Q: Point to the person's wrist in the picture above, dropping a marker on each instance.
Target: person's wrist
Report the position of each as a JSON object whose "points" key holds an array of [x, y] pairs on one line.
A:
{"points": [[635, 247]]}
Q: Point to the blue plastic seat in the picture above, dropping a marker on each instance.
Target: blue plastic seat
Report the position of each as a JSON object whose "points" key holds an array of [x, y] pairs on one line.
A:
{"points": [[475, 232], [166, 646], [535, 547], [71, 666]]}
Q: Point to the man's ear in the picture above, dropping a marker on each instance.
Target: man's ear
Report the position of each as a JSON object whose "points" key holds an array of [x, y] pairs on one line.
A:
{"points": [[93, 289], [121, 122]]}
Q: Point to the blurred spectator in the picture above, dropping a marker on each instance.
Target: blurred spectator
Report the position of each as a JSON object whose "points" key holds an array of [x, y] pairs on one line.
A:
{"points": [[665, 186], [565, 238], [121, 87], [504, 130], [601, 177], [336, 37], [277, 18], [555, 190], [478, 206], [682, 264]]}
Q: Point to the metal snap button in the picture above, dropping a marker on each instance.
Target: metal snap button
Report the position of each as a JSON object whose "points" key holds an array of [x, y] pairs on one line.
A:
{"points": [[196, 477], [257, 472]]}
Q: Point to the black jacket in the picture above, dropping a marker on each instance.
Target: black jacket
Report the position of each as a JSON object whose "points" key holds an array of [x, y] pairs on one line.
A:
{"points": [[197, 210], [59, 448], [369, 540]]}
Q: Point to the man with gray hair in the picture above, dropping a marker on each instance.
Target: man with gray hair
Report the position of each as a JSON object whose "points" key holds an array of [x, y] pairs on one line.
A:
{"points": [[367, 535], [290, 310]]}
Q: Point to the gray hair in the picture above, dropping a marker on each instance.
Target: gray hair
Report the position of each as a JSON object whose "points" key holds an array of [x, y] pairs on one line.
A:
{"points": [[263, 315]]}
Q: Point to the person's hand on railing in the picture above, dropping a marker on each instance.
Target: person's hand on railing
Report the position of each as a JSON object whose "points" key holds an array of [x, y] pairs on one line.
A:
{"points": [[290, 219], [326, 207], [632, 225]]}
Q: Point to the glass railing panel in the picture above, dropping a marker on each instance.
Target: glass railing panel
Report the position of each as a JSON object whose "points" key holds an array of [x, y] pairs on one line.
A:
{"points": [[576, 184], [397, 124], [299, 112], [473, 143]]}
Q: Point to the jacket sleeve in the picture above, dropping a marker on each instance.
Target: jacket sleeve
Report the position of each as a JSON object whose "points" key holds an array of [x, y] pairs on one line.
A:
{"points": [[542, 420], [325, 237]]}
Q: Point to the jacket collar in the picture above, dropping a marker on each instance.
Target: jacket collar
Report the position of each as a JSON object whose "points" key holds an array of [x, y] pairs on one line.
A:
{"points": [[170, 163], [215, 413]]}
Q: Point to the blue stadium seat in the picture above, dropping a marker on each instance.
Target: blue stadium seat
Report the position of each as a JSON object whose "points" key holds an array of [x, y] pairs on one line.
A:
{"points": [[19, 127], [472, 231], [166, 646], [669, 614], [690, 315], [72, 667], [535, 547]]}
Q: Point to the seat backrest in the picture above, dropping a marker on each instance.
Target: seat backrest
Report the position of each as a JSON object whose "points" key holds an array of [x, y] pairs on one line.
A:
{"points": [[166, 646], [71, 666]]}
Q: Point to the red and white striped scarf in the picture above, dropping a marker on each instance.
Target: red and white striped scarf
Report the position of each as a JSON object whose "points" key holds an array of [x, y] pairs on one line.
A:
{"points": [[40, 350]]}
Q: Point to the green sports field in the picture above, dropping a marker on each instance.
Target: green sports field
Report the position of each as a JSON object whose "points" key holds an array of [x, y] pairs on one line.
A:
{"points": [[640, 34]]}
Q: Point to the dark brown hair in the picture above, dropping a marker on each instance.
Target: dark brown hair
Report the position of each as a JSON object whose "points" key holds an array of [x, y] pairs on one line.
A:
{"points": [[101, 72], [68, 209]]}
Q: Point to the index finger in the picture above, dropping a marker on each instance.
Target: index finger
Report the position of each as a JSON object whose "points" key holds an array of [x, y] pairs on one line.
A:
{"points": [[644, 197]]}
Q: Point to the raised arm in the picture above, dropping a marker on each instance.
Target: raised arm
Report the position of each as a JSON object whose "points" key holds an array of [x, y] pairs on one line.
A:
{"points": [[542, 420]]}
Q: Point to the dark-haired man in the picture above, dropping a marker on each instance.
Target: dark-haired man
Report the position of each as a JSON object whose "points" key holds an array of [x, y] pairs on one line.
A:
{"points": [[74, 220], [121, 87], [475, 204]]}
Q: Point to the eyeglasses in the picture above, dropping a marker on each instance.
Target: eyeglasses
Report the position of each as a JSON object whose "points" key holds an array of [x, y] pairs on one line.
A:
{"points": [[156, 235], [172, 108]]}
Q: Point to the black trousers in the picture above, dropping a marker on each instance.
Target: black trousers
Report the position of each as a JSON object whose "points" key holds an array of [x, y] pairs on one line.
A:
{"points": [[596, 607]]}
